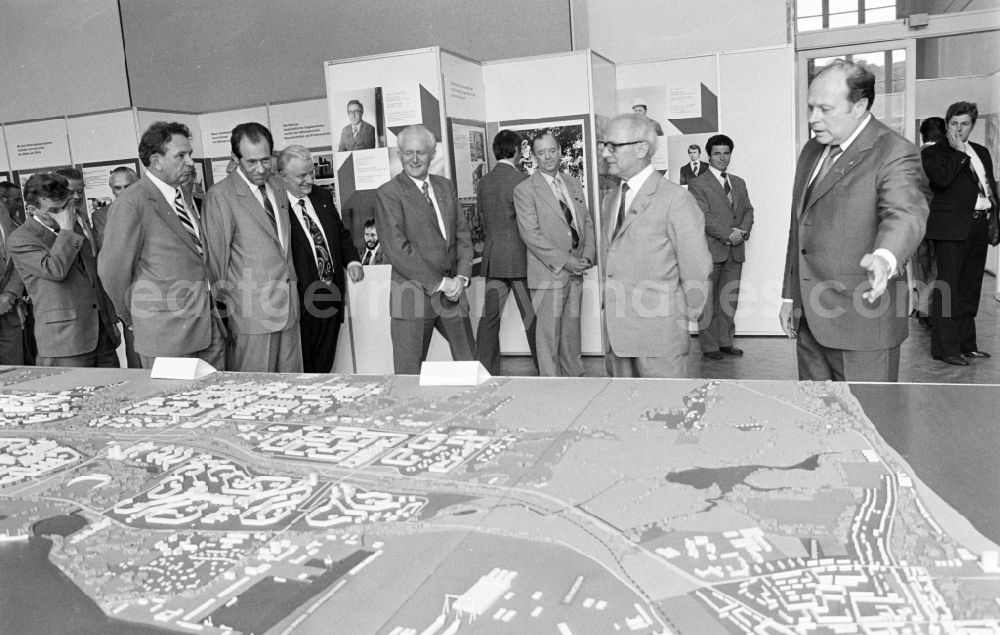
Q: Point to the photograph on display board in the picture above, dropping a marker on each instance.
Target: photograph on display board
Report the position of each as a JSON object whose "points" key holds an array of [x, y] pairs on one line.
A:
{"points": [[323, 171], [468, 163], [359, 125], [687, 154], [651, 103], [220, 169], [96, 185], [199, 179], [573, 137]]}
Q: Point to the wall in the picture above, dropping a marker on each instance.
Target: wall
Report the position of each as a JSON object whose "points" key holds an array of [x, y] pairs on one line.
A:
{"points": [[194, 55], [638, 30], [61, 57]]}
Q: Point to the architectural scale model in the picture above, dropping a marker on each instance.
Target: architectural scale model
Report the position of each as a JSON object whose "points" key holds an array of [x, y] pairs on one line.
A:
{"points": [[316, 504]]}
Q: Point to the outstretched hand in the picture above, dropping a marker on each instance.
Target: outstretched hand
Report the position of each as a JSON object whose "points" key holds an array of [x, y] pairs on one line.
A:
{"points": [[878, 272]]}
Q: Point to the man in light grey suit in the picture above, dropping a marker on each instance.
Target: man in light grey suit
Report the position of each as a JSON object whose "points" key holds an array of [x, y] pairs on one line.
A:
{"points": [[555, 224], [359, 134], [859, 209], [426, 239], [247, 236], [724, 199], [656, 261], [153, 258]]}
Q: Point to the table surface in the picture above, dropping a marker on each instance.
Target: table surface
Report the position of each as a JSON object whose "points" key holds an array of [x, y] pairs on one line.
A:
{"points": [[280, 504]]}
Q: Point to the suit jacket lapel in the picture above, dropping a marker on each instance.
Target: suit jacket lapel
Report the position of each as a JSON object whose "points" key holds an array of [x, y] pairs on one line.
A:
{"points": [[249, 202], [846, 162], [416, 197], [641, 201], [167, 213], [447, 214], [545, 194]]}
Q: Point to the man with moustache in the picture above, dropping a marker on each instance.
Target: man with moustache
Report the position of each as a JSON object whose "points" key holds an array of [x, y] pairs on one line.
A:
{"points": [[322, 249], [555, 225], [248, 242], [656, 261], [153, 262], [961, 176], [859, 208], [504, 262], [74, 319], [426, 240], [373, 252]]}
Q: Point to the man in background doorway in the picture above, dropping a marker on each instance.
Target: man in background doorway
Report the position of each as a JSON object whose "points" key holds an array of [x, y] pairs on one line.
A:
{"points": [[359, 134]]}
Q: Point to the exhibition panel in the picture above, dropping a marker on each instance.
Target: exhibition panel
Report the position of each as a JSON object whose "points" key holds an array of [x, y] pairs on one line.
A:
{"points": [[290, 503]]}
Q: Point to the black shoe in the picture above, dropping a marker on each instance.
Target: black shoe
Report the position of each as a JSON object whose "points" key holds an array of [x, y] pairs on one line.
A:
{"points": [[976, 354], [716, 355], [954, 361], [731, 350]]}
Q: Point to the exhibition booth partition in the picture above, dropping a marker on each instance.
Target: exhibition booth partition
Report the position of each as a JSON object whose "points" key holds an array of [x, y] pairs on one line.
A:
{"points": [[748, 95]]}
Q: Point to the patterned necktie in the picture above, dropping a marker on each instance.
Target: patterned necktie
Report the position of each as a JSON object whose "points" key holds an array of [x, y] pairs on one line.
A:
{"points": [[426, 189], [267, 205], [823, 171], [621, 210], [182, 215], [727, 188], [567, 212], [324, 264]]}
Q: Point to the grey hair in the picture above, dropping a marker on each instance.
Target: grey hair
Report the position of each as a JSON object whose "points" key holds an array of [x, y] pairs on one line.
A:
{"points": [[640, 127], [293, 152], [417, 129]]}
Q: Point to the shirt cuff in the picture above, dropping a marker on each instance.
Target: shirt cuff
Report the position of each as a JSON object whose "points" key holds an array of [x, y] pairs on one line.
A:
{"points": [[466, 280], [889, 258], [440, 286], [354, 262]]}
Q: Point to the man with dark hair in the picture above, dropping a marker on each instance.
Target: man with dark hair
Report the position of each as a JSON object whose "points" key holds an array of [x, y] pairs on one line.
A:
{"points": [[923, 267], [359, 134], [11, 201], [932, 130], [505, 256], [78, 200], [74, 319], [724, 199], [555, 225], [373, 253], [11, 290], [426, 240], [965, 194], [693, 168], [153, 260], [859, 208], [322, 250], [248, 240]]}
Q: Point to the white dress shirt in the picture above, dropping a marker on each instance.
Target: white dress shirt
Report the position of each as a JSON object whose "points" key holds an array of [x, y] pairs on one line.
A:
{"points": [[434, 203], [274, 204], [561, 192], [297, 209]]}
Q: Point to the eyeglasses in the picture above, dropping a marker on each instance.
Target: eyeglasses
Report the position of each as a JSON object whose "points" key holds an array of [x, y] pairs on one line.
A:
{"points": [[613, 147]]}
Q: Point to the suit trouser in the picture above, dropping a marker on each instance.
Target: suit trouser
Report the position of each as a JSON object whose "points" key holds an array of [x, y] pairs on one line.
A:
{"points": [[716, 327], [11, 343], [278, 352], [960, 275], [319, 342], [488, 331], [924, 271], [104, 355], [672, 364], [132, 358], [411, 338], [819, 363], [215, 354], [557, 329]]}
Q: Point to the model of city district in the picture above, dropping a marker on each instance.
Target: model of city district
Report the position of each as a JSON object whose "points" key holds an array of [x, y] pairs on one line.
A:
{"points": [[328, 504]]}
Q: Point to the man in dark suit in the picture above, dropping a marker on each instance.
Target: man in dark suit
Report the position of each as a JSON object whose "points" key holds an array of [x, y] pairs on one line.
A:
{"points": [[74, 319], [153, 262], [426, 240], [11, 294], [322, 249], [505, 257], [693, 168], [859, 208], [965, 194], [373, 252], [724, 199], [247, 239], [555, 225], [359, 134]]}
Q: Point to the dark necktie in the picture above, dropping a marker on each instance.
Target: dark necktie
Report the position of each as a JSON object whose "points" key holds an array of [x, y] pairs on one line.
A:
{"points": [[727, 188], [185, 218], [368, 257], [267, 205], [621, 210], [567, 213], [324, 264], [823, 171]]}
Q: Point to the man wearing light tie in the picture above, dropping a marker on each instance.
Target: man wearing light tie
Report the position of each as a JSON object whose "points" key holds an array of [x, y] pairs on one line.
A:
{"points": [[248, 240], [724, 199], [322, 250], [427, 241], [153, 262], [555, 224], [859, 208], [359, 134]]}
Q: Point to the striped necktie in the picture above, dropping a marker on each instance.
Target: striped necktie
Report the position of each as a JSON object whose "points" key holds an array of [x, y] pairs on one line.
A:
{"points": [[185, 218], [567, 212]]}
